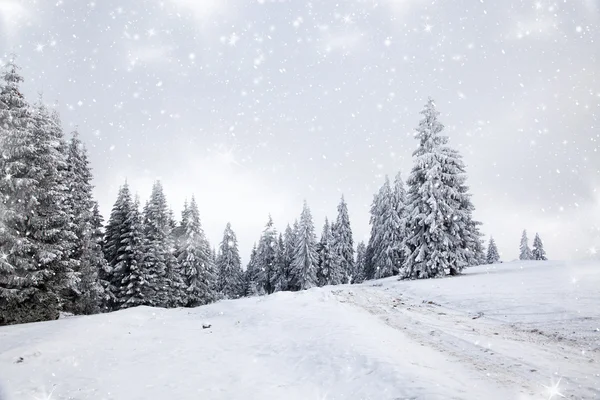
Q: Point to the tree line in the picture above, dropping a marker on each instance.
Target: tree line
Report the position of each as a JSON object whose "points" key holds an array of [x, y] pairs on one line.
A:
{"points": [[57, 255]]}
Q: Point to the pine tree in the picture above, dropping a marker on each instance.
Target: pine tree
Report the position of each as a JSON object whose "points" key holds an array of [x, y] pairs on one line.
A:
{"points": [[397, 224], [343, 246], [538, 252], [525, 251], [84, 296], [281, 277], [492, 254], [304, 264], [266, 258], [440, 231], [328, 270], [361, 252], [375, 240], [133, 287], [33, 267], [289, 246], [195, 257], [252, 288], [229, 265]]}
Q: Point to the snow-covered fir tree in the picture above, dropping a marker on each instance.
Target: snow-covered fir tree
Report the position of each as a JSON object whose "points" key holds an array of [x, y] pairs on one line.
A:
{"points": [[289, 246], [538, 252], [360, 264], [281, 278], [34, 267], [133, 287], [375, 242], [304, 263], [252, 288], [158, 260], [266, 256], [329, 270], [440, 230], [387, 229], [85, 295], [492, 252], [229, 266], [524, 250], [195, 257], [343, 246]]}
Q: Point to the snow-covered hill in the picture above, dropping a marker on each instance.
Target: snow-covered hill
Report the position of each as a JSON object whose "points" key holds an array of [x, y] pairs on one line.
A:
{"points": [[522, 330]]}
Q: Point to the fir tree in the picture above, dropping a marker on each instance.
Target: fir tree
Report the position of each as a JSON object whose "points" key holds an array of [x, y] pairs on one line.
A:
{"points": [[289, 246], [440, 231], [525, 251], [229, 265], [328, 271], [538, 252], [360, 264], [34, 266], [304, 264], [281, 277], [372, 255], [492, 253], [133, 288], [85, 254], [157, 260], [266, 258], [195, 257], [252, 288], [343, 246]]}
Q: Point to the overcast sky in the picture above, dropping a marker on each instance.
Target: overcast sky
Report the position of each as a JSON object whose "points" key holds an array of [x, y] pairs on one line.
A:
{"points": [[255, 105]]}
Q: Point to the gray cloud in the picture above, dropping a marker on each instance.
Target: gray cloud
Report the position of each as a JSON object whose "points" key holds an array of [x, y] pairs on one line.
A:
{"points": [[253, 106]]}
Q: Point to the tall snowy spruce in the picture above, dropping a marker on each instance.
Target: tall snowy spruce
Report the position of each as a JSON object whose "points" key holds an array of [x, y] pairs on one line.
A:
{"points": [[266, 257], [360, 264], [343, 244], [123, 249], [34, 267], [441, 233], [538, 252], [229, 266], [372, 255], [387, 230], [329, 270], [157, 252], [492, 253], [86, 256], [305, 261], [524, 250], [282, 274], [252, 288], [195, 257]]}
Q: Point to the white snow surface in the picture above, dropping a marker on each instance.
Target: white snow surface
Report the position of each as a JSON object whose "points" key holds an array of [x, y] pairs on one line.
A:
{"points": [[522, 330]]}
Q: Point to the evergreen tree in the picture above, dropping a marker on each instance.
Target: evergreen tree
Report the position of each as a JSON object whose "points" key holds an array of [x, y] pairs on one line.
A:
{"points": [[304, 263], [397, 224], [525, 251], [492, 254], [85, 294], [343, 246], [133, 287], [33, 240], [195, 257], [157, 252], [289, 246], [266, 258], [281, 278], [361, 253], [440, 230], [252, 288], [372, 255], [328, 271], [229, 265], [538, 252]]}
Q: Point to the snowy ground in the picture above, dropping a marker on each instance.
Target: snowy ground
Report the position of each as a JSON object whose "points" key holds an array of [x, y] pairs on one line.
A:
{"points": [[511, 331]]}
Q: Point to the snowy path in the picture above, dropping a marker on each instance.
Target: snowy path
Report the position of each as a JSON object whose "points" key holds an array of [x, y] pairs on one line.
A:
{"points": [[347, 342]]}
